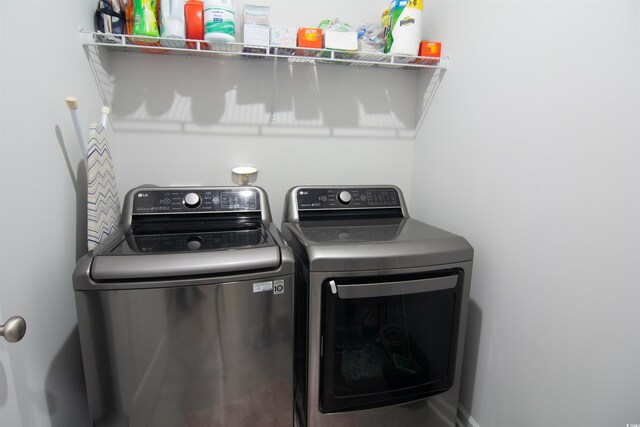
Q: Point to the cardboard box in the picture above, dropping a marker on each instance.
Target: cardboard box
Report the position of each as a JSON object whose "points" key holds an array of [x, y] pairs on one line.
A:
{"points": [[310, 37], [430, 49]]}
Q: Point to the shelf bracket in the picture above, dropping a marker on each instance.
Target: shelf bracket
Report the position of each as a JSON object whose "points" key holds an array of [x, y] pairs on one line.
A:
{"points": [[273, 86]]}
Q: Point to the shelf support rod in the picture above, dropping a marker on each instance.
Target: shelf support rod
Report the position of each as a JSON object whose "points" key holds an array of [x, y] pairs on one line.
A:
{"points": [[273, 85]]}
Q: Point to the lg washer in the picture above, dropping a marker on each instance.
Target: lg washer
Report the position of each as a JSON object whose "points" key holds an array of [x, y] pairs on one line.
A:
{"points": [[185, 313]]}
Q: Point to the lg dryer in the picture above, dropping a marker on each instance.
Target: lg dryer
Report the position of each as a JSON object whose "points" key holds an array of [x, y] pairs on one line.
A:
{"points": [[381, 305], [185, 314]]}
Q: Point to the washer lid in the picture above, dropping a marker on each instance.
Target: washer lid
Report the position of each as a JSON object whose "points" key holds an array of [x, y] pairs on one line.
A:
{"points": [[351, 245], [105, 267]]}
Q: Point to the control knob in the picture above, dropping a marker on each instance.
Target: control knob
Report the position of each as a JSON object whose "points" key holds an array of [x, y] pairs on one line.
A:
{"points": [[192, 200], [344, 197]]}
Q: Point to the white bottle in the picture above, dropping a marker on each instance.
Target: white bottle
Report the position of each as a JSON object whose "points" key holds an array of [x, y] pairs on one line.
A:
{"points": [[172, 22], [220, 20]]}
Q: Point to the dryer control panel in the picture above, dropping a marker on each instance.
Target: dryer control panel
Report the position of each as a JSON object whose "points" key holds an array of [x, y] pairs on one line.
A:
{"points": [[313, 198]]}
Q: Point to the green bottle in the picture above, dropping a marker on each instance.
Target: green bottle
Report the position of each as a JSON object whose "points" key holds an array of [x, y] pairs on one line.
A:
{"points": [[144, 18]]}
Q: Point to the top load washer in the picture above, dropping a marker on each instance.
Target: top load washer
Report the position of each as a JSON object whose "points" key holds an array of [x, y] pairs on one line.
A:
{"points": [[381, 304], [185, 313]]}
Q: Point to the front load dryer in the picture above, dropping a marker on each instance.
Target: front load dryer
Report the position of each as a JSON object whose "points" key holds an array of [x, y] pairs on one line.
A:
{"points": [[185, 314], [381, 306]]}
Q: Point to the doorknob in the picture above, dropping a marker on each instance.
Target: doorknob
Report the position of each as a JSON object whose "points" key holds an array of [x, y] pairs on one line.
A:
{"points": [[14, 328]]}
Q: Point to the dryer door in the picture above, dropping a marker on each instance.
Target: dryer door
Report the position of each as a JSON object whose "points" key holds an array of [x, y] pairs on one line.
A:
{"points": [[388, 340]]}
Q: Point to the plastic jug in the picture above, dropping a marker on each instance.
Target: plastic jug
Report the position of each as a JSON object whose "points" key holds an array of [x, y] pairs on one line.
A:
{"points": [[220, 20], [194, 23], [172, 22], [144, 18]]}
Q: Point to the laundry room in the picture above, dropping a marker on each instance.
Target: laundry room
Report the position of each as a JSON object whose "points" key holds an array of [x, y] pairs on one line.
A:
{"points": [[520, 138]]}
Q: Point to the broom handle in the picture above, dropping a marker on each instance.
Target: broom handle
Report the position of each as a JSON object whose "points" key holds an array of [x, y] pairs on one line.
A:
{"points": [[72, 104]]}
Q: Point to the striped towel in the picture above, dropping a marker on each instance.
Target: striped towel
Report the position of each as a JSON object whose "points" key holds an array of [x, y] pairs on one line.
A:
{"points": [[103, 205]]}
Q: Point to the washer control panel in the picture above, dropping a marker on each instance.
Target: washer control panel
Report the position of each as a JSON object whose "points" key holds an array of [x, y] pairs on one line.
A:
{"points": [[347, 198], [149, 201]]}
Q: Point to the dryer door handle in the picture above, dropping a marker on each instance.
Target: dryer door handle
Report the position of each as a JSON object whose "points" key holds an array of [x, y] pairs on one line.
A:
{"points": [[383, 289]]}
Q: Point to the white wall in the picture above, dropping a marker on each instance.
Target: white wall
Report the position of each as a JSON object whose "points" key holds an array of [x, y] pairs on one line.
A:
{"points": [[187, 120], [42, 63], [196, 131], [176, 120], [531, 150]]}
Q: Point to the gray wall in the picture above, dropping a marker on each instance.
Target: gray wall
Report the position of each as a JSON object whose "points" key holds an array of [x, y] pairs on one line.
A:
{"points": [[531, 150]]}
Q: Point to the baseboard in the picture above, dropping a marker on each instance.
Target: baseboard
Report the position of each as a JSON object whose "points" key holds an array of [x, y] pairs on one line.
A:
{"points": [[464, 419]]}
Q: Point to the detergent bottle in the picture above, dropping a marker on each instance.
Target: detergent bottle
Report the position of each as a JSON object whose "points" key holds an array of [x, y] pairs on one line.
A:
{"points": [[172, 23], [144, 18]]}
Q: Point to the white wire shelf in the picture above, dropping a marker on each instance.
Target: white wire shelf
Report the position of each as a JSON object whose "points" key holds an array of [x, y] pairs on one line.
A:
{"points": [[169, 46]]}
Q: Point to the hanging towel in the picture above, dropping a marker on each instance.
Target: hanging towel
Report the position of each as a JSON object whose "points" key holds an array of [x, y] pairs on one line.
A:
{"points": [[103, 204]]}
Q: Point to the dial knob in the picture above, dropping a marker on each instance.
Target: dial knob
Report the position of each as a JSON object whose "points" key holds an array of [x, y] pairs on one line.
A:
{"points": [[344, 197], [194, 243], [192, 200]]}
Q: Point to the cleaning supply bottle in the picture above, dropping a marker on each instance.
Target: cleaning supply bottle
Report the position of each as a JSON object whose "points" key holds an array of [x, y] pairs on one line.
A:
{"points": [[406, 27], [172, 22], [144, 18], [194, 22], [128, 13], [220, 20]]}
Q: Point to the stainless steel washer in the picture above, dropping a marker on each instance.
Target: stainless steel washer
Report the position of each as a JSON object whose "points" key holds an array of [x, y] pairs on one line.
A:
{"points": [[185, 314], [381, 306]]}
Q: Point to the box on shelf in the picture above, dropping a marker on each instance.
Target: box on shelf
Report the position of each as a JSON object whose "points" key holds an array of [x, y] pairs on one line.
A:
{"points": [[256, 15], [430, 49], [283, 36], [256, 35], [342, 40], [310, 38], [256, 28]]}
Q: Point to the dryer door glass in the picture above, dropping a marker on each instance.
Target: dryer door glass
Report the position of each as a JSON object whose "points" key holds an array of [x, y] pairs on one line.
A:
{"points": [[388, 340]]}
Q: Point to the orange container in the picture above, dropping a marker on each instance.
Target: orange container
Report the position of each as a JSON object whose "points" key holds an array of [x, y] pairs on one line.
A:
{"points": [[194, 21], [310, 37], [430, 49]]}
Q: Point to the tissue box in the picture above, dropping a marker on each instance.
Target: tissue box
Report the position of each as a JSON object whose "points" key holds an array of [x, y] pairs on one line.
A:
{"points": [[343, 40], [283, 36], [256, 35], [310, 37]]}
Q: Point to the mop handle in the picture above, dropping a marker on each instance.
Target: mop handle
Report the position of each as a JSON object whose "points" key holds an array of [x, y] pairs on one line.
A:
{"points": [[72, 104]]}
